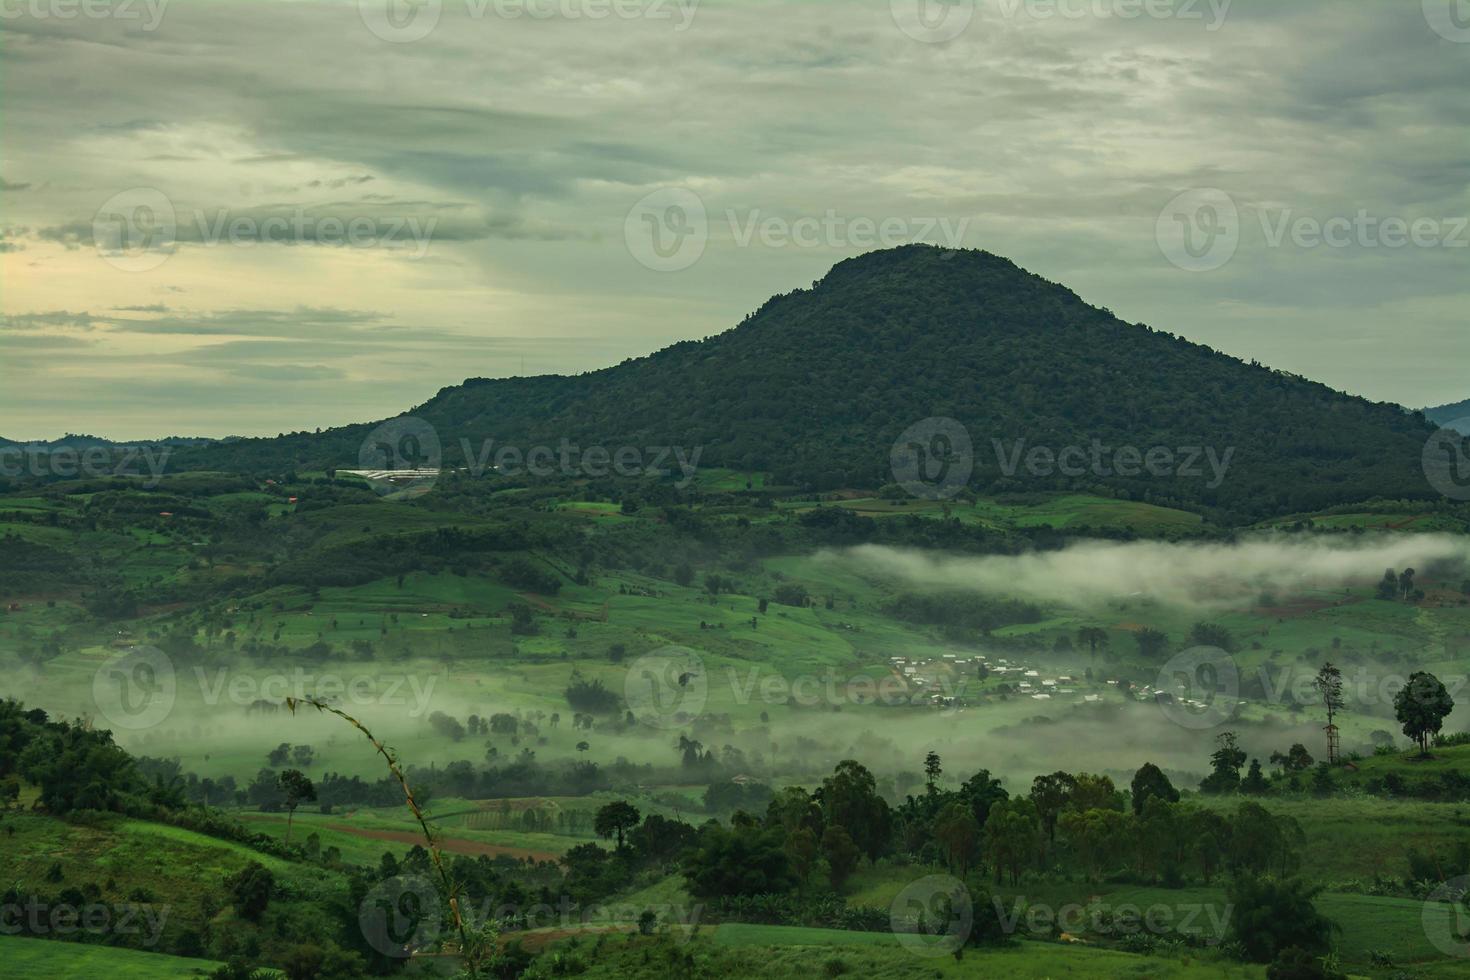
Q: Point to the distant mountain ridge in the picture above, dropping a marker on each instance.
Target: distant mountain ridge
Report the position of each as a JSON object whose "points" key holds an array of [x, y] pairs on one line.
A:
{"points": [[1455, 415], [816, 386], [76, 441]]}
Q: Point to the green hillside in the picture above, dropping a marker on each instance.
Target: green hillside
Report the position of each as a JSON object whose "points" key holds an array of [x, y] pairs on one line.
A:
{"points": [[818, 384]]}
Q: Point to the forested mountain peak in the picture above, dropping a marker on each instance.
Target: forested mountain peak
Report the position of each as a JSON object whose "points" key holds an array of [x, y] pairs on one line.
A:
{"points": [[817, 384]]}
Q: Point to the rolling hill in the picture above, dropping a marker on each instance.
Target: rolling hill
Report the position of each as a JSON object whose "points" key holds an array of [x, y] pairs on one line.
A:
{"points": [[1455, 415], [816, 386]]}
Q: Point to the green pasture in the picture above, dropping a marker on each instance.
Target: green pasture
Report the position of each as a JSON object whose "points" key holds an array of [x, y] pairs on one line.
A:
{"points": [[42, 959]]}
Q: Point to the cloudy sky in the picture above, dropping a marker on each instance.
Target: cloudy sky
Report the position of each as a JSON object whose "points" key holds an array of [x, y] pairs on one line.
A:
{"points": [[247, 217]]}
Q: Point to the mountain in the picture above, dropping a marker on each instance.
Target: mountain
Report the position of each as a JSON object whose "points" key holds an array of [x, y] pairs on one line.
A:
{"points": [[76, 442], [816, 386], [1455, 415]]}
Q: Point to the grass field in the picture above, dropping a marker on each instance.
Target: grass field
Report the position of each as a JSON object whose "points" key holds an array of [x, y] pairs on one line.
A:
{"points": [[790, 953], [1361, 837], [40, 959]]}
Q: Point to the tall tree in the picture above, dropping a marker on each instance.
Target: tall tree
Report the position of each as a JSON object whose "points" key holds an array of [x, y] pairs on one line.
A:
{"points": [[932, 769], [958, 834], [842, 855], [1011, 837], [849, 797], [1225, 763], [296, 789], [1149, 782], [1406, 582], [1328, 683], [615, 819], [1050, 794], [1421, 708]]}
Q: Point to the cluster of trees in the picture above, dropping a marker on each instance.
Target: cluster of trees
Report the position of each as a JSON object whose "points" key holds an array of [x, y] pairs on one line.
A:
{"points": [[1399, 585], [74, 767], [1078, 822], [591, 696], [791, 862]]}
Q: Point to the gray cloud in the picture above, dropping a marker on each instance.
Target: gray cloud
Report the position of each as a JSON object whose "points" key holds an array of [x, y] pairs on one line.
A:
{"points": [[1059, 140]]}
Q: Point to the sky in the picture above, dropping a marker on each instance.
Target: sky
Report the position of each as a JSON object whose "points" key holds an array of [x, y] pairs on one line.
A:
{"points": [[223, 217]]}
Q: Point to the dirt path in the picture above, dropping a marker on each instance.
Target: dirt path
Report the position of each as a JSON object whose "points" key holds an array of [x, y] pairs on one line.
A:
{"points": [[456, 845]]}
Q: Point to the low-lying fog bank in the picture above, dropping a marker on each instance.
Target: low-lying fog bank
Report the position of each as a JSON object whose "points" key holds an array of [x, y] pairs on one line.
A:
{"points": [[1206, 576]]}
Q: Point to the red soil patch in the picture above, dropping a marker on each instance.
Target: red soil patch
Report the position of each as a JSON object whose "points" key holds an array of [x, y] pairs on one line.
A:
{"points": [[456, 845], [1301, 607], [536, 601]]}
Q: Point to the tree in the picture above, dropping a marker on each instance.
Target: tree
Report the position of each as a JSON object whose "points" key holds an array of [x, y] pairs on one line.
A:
{"points": [[842, 855], [1011, 836], [615, 818], [801, 851], [1225, 763], [1260, 842], [296, 789], [1149, 782], [981, 791], [280, 755], [1421, 707], [1388, 586], [958, 835], [1209, 833], [1050, 794], [1211, 635], [791, 594], [250, 890], [849, 797], [735, 861], [1296, 759], [1093, 637], [1151, 643], [1096, 834], [1254, 782], [1095, 792], [1328, 683], [1271, 915], [932, 770], [1406, 582]]}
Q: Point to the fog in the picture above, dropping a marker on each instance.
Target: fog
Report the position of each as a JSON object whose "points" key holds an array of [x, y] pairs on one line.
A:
{"points": [[1205, 576]]}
